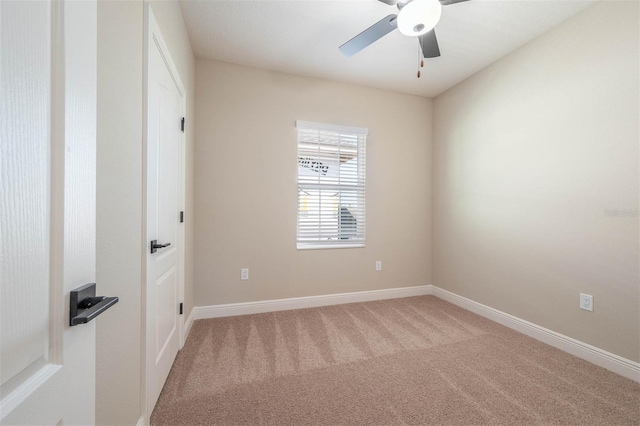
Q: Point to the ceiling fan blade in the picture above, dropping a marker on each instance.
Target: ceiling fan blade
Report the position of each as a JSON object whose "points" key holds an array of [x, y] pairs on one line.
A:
{"points": [[429, 44], [448, 2], [370, 35], [389, 2]]}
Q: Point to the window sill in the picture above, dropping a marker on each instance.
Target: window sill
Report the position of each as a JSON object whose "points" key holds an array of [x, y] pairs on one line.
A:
{"points": [[311, 246]]}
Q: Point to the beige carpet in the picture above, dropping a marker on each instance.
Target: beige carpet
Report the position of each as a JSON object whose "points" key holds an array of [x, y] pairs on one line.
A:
{"points": [[418, 360]]}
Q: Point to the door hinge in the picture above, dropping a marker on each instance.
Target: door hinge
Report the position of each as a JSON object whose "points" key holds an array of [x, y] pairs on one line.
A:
{"points": [[181, 217], [182, 124], [180, 308]]}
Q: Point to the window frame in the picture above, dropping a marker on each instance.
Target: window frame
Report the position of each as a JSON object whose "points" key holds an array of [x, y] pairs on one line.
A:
{"points": [[355, 183]]}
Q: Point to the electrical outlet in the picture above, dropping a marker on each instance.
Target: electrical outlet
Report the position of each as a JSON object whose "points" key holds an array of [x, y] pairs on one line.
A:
{"points": [[244, 274], [586, 302], [378, 265]]}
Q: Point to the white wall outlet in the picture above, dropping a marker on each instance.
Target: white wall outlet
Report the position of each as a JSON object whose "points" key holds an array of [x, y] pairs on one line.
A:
{"points": [[244, 273], [586, 302], [378, 265]]}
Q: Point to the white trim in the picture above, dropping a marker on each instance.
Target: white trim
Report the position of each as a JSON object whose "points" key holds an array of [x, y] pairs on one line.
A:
{"points": [[333, 127], [27, 388], [140, 421], [144, 338], [57, 184], [188, 324], [619, 365], [320, 246], [233, 309]]}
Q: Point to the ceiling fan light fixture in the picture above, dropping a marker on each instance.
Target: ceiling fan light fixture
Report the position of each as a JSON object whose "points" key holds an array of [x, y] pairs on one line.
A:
{"points": [[419, 16]]}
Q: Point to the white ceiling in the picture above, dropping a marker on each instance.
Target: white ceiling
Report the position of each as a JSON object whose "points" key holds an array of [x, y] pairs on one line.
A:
{"points": [[302, 37]]}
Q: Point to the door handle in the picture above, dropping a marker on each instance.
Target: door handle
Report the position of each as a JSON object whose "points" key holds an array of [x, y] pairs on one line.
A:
{"points": [[84, 305], [155, 246]]}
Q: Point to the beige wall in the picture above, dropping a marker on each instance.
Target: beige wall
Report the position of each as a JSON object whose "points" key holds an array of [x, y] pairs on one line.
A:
{"points": [[528, 155], [119, 206], [246, 193], [119, 194]]}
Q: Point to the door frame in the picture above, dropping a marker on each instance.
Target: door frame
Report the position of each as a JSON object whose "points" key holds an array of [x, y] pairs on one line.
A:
{"points": [[154, 35]]}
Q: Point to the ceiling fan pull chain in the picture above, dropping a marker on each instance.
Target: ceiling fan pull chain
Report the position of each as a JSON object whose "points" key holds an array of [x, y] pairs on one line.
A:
{"points": [[420, 60]]}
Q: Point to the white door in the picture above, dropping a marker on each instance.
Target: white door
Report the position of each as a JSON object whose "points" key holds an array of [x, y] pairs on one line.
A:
{"points": [[164, 201], [47, 210]]}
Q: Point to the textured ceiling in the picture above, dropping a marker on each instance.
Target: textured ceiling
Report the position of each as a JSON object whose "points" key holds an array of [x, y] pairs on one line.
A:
{"points": [[302, 37]]}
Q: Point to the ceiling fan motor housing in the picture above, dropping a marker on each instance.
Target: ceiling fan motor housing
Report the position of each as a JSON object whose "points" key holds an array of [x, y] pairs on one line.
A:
{"points": [[419, 16]]}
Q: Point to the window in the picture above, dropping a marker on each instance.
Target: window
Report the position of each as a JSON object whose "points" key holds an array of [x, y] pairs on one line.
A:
{"points": [[331, 185]]}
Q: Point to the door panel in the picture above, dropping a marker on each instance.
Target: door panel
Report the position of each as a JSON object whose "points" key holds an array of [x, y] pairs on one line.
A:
{"points": [[166, 326], [169, 103], [47, 218], [25, 220]]}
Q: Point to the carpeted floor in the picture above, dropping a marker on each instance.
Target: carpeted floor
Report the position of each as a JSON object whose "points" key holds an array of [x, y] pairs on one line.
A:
{"points": [[418, 360]]}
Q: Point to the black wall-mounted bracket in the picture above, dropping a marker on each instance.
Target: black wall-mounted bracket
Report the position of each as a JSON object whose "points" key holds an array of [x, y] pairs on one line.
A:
{"points": [[84, 305]]}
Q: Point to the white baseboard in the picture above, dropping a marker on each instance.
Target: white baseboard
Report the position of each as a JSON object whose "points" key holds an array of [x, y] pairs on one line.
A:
{"points": [[188, 324], [233, 309], [619, 365]]}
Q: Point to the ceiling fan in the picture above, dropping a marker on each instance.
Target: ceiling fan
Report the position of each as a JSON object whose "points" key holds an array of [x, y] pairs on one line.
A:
{"points": [[416, 18]]}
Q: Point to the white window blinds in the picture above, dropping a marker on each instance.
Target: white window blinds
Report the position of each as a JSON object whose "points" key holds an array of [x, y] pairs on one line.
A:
{"points": [[331, 185]]}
